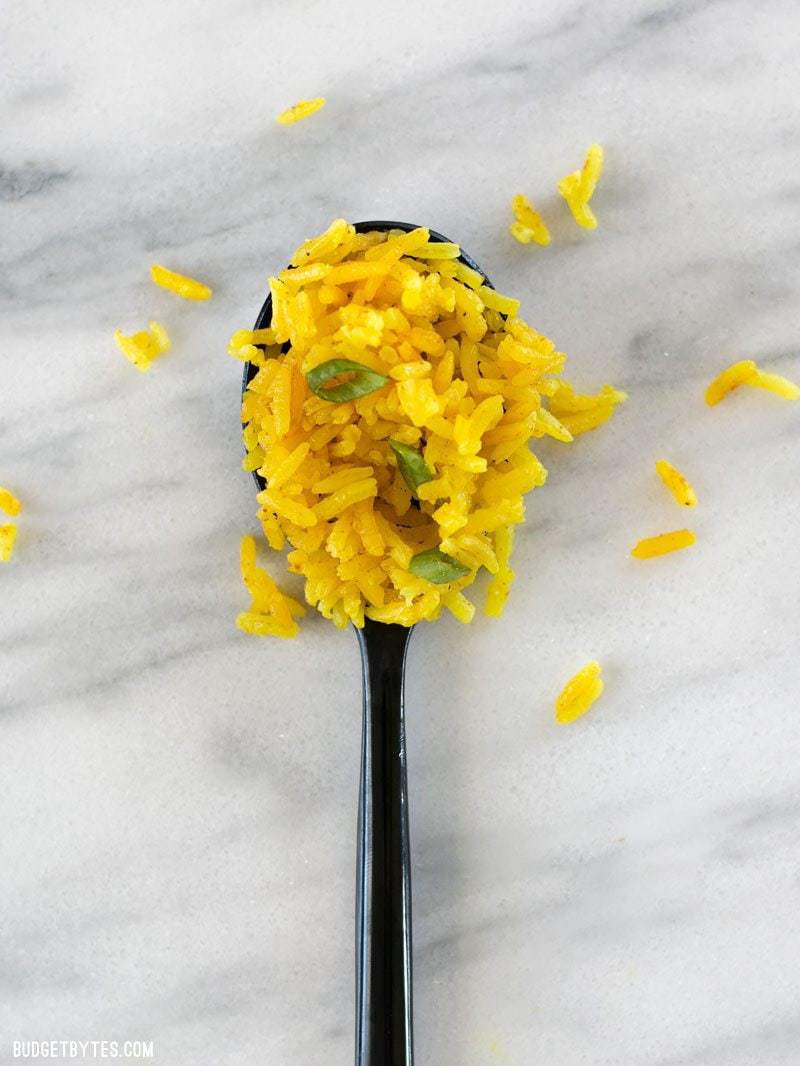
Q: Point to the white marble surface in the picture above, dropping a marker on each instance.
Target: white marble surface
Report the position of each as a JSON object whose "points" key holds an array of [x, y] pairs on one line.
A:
{"points": [[178, 801]]}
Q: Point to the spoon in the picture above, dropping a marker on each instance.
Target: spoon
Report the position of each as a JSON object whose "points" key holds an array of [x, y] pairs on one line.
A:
{"points": [[384, 1031]]}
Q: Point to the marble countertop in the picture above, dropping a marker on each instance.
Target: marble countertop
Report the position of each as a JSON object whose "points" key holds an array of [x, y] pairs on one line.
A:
{"points": [[178, 800]]}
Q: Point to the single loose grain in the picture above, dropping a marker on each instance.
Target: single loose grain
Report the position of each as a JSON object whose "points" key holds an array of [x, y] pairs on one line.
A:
{"points": [[579, 693], [677, 483], [663, 544]]}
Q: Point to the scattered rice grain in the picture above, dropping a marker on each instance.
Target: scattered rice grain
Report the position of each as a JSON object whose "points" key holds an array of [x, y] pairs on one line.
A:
{"points": [[272, 613], [662, 544], [578, 188], [8, 534], [300, 110], [180, 284], [529, 226], [143, 347], [579, 693], [677, 484], [747, 372], [9, 502]]}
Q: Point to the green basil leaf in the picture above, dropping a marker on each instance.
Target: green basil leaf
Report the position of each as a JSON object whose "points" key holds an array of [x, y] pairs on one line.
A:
{"points": [[437, 567], [362, 383], [411, 465]]}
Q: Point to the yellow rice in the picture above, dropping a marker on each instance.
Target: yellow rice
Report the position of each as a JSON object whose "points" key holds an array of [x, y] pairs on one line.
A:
{"points": [[528, 224], [579, 694], [747, 372], [180, 284], [8, 534], [578, 188], [677, 484], [272, 612], [662, 544], [9, 502], [452, 384], [781, 386], [145, 346], [300, 110]]}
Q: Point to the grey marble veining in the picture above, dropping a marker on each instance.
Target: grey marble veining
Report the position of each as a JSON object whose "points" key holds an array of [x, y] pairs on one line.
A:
{"points": [[178, 801]]}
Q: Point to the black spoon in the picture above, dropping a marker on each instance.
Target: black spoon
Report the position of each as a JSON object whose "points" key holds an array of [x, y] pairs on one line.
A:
{"points": [[384, 1032]]}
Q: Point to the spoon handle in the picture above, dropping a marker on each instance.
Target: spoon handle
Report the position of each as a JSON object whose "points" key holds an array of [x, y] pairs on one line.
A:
{"points": [[383, 890]]}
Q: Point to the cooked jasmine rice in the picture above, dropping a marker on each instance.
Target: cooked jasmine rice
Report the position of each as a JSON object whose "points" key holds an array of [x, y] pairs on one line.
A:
{"points": [[391, 413], [300, 110], [578, 188], [188, 288], [272, 613], [747, 372], [145, 346], [528, 224], [9, 503], [8, 534], [579, 693], [677, 484], [663, 544]]}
